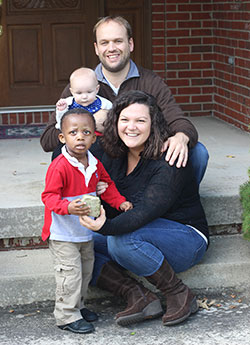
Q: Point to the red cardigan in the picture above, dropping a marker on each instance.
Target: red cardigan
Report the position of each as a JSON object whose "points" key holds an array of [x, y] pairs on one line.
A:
{"points": [[64, 180]]}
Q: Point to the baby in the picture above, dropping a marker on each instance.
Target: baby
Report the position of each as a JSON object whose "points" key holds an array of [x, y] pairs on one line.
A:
{"points": [[84, 88]]}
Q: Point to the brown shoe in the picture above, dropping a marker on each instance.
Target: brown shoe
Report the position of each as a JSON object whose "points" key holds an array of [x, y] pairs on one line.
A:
{"points": [[180, 300], [142, 304], [179, 307]]}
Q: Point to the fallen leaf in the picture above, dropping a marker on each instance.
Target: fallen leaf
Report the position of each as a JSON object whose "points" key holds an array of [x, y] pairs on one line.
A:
{"points": [[29, 314], [21, 255], [202, 303], [43, 163], [11, 311], [211, 302], [230, 156]]}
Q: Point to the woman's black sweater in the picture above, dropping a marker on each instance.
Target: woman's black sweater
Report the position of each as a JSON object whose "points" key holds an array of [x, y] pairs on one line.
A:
{"points": [[156, 190]]}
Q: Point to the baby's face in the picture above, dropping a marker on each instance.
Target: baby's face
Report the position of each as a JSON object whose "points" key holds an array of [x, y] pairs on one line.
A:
{"points": [[84, 90]]}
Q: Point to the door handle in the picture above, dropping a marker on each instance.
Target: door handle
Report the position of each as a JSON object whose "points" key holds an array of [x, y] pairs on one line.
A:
{"points": [[1, 30]]}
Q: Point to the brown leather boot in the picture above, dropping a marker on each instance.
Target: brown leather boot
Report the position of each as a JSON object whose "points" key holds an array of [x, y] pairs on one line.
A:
{"points": [[180, 300], [142, 304]]}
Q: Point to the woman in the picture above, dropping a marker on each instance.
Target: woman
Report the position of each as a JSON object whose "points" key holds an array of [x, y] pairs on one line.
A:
{"points": [[165, 233]]}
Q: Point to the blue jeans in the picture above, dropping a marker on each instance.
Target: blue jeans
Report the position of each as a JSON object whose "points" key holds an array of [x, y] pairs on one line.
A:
{"points": [[101, 255], [199, 158], [143, 251]]}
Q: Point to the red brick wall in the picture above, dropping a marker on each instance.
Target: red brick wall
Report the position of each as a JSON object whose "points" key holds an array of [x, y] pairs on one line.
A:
{"points": [[193, 44], [232, 62], [192, 41], [24, 117]]}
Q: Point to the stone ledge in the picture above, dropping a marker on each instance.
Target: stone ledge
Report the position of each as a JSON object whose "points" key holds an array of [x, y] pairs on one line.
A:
{"points": [[27, 275], [18, 222]]}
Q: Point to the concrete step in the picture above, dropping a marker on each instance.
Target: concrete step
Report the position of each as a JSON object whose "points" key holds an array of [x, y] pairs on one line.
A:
{"points": [[27, 275], [24, 165], [229, 150]]}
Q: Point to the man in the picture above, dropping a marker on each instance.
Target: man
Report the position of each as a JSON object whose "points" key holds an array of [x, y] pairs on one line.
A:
{"points": [[117, 73]]}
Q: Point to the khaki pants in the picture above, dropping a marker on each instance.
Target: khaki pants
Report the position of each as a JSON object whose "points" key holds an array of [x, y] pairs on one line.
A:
{"points": [[73, 265]]}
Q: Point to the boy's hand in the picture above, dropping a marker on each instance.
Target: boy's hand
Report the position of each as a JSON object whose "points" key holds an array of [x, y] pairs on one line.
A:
{"points": [[78, 208], [125, 206], [61, 104]]}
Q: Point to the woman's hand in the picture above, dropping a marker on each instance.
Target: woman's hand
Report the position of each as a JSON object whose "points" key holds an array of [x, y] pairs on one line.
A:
{"points": [[93, 224], [101, 187]]}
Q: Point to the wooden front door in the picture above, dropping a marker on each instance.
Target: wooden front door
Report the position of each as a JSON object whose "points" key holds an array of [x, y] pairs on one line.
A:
{"points": [[138, 14], [42, 42]]}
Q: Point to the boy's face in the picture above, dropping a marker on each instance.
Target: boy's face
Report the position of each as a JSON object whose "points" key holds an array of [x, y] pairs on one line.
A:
{"points": [[78, 134], [84, 90]]}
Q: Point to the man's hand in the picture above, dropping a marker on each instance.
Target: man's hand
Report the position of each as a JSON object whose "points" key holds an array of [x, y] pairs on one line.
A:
{"points": [[93, 224], [78, 208], [100, 116], [177, 149]]}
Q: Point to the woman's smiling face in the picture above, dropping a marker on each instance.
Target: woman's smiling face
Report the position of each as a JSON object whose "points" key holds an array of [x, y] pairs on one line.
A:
{"points": [[134, 126]]}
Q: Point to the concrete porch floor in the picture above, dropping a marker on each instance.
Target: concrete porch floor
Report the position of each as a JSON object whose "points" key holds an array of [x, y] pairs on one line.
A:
{"points": [[27, 276]]}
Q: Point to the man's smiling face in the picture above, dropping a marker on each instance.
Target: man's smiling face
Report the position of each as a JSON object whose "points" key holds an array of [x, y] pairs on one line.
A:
{"points": [[113, 46]]}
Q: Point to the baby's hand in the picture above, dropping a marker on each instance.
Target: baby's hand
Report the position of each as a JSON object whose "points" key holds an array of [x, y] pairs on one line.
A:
{"points": [[78, 208], [125, 206], [61, 104]]}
